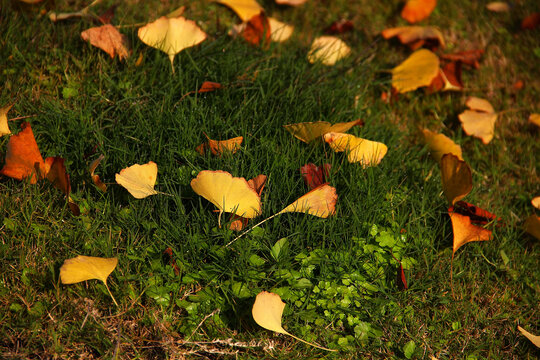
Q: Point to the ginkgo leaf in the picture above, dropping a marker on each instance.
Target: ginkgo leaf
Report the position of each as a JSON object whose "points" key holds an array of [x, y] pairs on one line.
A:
{"points": [[4, 128], [218, 147], [415, 36], [257, 31], [328, 50], [245, 9], [139, 180], [449, 79], [171, 35], [108, 39], [535, 119], [279, 31], [267, 312], [320, 202], [95, 178], [84, 268], [480, 120], [23, 158], [366, 152], [535, 339], [309, 131], [257, 184], [536, 202], [465, 231], [456, 178], [469, 57], [289, 2], [498, 6], [416, 71], [440, 144], [227, 193], [417, 10], [313, 175], [532, 226]]}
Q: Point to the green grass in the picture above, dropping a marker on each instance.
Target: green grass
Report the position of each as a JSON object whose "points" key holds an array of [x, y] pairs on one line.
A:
{"points": [[337, 275]]}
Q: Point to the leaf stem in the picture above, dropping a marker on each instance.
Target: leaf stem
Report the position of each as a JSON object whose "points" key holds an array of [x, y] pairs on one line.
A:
{"points": [[110, 293], [251, 228], [312, 344]]}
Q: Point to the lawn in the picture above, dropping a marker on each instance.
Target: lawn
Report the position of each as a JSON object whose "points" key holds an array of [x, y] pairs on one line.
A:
{"points": [[181, 292]]}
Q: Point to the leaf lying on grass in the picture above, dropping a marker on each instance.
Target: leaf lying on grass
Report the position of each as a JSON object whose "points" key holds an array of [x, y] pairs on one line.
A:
{"points": [[245, 9], [440, 144], [4, 128], [416, 71], [480, 120], [417, 10], [320, 202], [328, 50], [535, 339], [108, 39], [365, 152], [416, 36], [309, 131], [139, 180], [456, 178]]}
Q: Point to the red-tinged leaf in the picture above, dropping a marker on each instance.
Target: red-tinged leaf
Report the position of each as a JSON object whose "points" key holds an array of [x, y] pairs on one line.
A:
{"points": [[108, 39], [208, 86], [314, 175], [108, 15], [470, 57], [257, 31], [449, 79], [168, 255], [465, 231], [339, 27], [58, 175], [530, 22], [401, 279], [477, 215]]}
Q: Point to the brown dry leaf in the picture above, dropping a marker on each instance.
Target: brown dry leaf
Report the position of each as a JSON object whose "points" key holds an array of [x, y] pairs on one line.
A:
{"points": [[480, 120], [440, 144], [4, 128], [257, 31], [417, 10], [339, 27], [320, 202], [465, 231], [535, 339], [416, 36], [219, 147], [171, 35], [290, 2], [366, 152], [328, 50], [95, 178], [449, 79], [535, 119], [257, 184], [416, 71], [456, 178], [532, 226], [469, 57], [498, 6], [530, 22], [108, 39], [245, 9], [309, 131], [313, 175], [139, 180]]}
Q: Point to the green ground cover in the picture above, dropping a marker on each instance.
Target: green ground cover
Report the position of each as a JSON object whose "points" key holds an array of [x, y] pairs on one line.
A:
{"points": [[337, 275]]}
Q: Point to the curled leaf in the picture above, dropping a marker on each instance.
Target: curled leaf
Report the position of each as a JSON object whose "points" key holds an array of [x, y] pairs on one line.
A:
{"points": [[456, 178], [95, 178], [366, 152], [309, 131], [440, 144], [535, 339]]}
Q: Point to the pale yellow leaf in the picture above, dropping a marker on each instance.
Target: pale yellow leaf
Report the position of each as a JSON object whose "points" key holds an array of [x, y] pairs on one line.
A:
{"points": [[139, 180], [279, 31], [267, 311], [480, 120], [498, 6], [4, 128], [328, 50], [535, 339]]}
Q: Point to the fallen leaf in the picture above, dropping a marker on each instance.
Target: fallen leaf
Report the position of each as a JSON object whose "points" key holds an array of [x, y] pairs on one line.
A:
{"points": [[417, 10], [416, 71], [498, 6], [95, 178], [139, 180], [320, 202], [339, 27], [535, 119], [84, 268], [4, 128], [532, 226], [480, 120], [440, 144], [209, 86], [267, 312], [535, 339], [366, 152], [531, 22], [313, 175], [108, 39], [107, 16], [309, 131], [23, 158], [416, 36], [257, 184], [245, 9], [177, 12], [469, 57], [536, 202], [477, 215], [289, 2], [328, 50], [59, 177], [456, 178], [257, 31], [449, 78], [465, 231], [227, 193], [168, 254], [279, 31], [218, 147], [171, 35]]}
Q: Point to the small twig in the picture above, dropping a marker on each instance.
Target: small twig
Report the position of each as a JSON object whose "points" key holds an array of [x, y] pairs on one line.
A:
{"points": [[22, 117], [85, 12], [216, 311]]}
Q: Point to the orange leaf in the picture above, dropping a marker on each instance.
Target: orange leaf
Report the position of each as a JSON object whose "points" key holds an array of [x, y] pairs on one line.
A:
{"points": [[257, 31], [95, 178], [314, 175], [218, 147], [465, 231], [456, 178], [208, 86], [23, 158], [470, 57], [534, 119], [416, 36], [108, 39], [477, 215], [417, 10]]}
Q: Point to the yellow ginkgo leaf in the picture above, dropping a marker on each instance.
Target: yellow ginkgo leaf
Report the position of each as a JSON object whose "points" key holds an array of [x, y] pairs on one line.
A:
{"points": [[139, 180], [4, 128], [535, 339], [328, 50], [536, 202], [480, 120], [228, 193], [366, 152], [171, 35], [84, 268], [279, 31], [440, 144], [532, 226], [456, 178], [309, 131], [416, 71], [320, 202], [267, 312], [245, 9]]}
